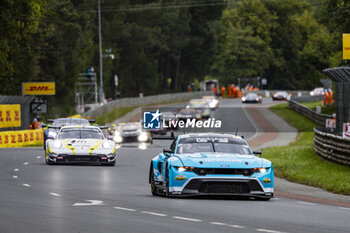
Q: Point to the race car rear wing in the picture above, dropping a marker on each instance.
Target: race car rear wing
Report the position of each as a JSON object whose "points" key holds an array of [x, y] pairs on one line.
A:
{"points": [[52, 120]]}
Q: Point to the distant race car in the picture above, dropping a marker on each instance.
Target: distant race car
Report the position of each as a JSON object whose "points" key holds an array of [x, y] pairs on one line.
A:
{"points": [[317, 91], [57, 124], [130, 132], [212, 101], [211, 164], [252, 97], [281, 95], [80, 144], [189, 113], [201, 106]]}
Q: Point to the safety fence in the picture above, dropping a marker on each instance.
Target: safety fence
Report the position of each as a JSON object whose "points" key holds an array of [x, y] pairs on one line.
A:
{"points": [[331, 147], [21, 138], [296, 105]]}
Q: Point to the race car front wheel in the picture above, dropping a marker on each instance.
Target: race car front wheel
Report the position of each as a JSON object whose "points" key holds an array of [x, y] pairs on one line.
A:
{"points": [[48, 162], [154, 189]]}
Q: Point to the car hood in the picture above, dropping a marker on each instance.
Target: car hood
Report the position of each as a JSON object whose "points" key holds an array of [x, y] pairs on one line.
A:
{"points": [[82, 143], [251, 97], [224, 160]]}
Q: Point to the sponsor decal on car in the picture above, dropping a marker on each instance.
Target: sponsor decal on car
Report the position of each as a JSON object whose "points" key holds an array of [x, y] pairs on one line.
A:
{"points": [[180, 177]]}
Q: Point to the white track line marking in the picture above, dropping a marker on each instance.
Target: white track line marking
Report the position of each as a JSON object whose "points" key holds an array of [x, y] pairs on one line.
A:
{"points": [[237, 226], [90, 203], [344, 208], [14, 177], [154, 213], [26, 185], [26, 163], [55, 194], [38, 157], [306, 203], [218, 223], [122, 208], [16, 169], [187, 219], [270, 231]]}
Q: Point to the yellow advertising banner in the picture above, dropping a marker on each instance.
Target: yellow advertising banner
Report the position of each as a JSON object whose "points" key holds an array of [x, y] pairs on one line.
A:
{"points": [[10, 115], [346, 46], [22, 138], [39, 88]]}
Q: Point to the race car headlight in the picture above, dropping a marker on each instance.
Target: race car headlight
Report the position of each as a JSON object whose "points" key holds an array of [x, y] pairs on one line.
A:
{"points": [[257, 99], [185, 169], [106, 145], [243, 98], [52, 134], [57, 144], [142, 137], [118, 138], [260, 169]]}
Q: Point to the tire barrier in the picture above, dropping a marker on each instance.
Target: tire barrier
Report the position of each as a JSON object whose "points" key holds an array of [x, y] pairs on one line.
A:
{"points": [[22, 138], [318, 118], [331, 147]]}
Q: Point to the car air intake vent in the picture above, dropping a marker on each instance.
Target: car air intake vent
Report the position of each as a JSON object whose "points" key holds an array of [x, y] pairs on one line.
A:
{"points": [[224, 187], [223, 171]]}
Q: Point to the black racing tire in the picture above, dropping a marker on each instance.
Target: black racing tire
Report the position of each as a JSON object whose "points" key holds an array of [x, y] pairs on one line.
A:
{"points": [[154, 189], [262, 198], [48, 162], [167, 193], [110, 164]]}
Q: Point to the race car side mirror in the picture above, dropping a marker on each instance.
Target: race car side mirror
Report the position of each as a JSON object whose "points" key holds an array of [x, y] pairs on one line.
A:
{"points": [[167, 152], [257, 153]]}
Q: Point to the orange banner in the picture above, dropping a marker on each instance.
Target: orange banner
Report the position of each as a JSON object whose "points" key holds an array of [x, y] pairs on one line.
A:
{"points": [[10, 115]]}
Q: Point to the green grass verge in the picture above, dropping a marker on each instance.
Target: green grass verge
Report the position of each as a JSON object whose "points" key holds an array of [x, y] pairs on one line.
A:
{"points": [[298, 162], [112, 115], [330, 109]]}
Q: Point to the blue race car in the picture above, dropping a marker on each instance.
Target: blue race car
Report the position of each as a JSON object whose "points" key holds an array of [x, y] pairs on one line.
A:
{"points": [[211, 164]]}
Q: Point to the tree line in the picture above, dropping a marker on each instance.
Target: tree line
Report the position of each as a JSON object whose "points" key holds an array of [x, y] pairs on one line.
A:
{"points": [[163, 46]]}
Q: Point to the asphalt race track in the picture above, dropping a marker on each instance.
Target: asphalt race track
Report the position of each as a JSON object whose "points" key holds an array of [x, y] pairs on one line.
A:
{"points": [[35, 197]]}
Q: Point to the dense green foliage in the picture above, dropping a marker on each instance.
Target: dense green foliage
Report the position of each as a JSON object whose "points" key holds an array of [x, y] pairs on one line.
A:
{"points": [[279, 40], [298, 162], [163, 45]]}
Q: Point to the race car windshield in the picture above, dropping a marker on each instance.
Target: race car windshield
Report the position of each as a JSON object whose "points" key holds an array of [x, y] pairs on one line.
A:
{"points": [[224, 145], [186, 148], [78, 133], [70, 121]]}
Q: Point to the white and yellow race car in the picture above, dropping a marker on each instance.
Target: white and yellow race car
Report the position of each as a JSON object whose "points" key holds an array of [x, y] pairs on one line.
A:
{"points": [[80, 144]]}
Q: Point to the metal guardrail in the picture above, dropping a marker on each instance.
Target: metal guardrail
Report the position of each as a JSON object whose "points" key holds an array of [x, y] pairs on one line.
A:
{"points": [[331, 147], [318, 118]]}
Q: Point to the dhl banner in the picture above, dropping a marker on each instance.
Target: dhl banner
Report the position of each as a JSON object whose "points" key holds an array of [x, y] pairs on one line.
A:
{"points": [[22, 138], [39, 88], [10, 115], [346, 46]]}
